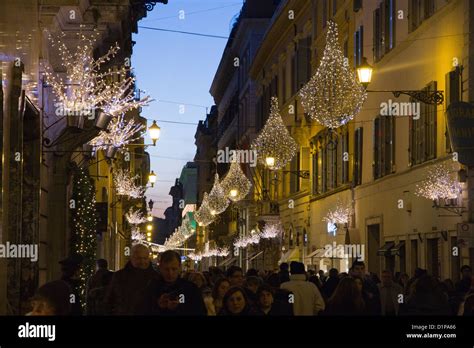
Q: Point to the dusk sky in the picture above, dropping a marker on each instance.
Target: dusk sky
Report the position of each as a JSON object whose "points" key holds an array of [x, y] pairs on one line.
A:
{"points": [[174, 67]]}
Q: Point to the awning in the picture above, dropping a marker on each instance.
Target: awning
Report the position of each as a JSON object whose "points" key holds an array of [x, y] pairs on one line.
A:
{"points": [[396, 249], [227, 262], [318, 253], [291, 255], [385, 249], [255, 256]]}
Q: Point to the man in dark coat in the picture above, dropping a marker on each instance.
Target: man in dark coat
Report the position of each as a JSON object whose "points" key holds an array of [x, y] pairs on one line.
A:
{"points": [[70, 268], [370, 291], [172, 295], [129, 285], [101, 271]]}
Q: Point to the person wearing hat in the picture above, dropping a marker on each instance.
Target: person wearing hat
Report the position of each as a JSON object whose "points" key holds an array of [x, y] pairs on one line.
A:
{"points": [[52, 298], [70, 268]]}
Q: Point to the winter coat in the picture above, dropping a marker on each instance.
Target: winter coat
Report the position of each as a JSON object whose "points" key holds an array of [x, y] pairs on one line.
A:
{"points": [[189, 297], [128, 290], [307, 298]]}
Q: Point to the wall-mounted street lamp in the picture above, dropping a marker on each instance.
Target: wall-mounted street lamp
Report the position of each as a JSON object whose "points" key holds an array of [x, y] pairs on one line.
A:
{"points": [[154, 131], [152, 178], [365, 73]]}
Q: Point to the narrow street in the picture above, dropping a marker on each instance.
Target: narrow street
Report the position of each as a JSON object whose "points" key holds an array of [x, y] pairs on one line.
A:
{"points": [[283, 158]]}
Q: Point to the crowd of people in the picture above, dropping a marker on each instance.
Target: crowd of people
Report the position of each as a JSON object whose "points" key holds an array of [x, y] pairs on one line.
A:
{"points": [[142, 288]]}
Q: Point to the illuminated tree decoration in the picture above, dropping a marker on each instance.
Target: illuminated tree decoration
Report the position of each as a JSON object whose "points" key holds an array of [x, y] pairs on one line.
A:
{"points": [[340, 214], [439, 184], [244, 241], [85, 87], [271, 230], [118, 134], [83, 227], [217, 199], [198, 256], [333, 96], [125, 184], [137, 235], [274, 140], [135, 217], [236, 186]]}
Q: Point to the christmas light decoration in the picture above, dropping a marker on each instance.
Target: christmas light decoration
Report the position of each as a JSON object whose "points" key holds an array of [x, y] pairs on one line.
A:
{"points": [[83, 227], [203, 215], [339, 215], [236, 186], [333, 96], [85, 87], [135, 217], [217, 200], [274, 144], [244, 241], [137, 235], [125, 185], [198, 256], [118, 134], [439, 184], [181, 234], [271, 230]]}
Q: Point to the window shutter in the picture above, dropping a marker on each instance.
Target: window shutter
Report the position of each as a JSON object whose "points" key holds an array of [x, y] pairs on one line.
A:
{"points": [[305, 163], [376, 147]]}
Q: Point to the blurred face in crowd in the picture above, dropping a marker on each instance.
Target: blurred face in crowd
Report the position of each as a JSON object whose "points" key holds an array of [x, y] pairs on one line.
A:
{"points": [[170, 270], [197, 279], [236, 303], [252, 287], [466, 273], [222, 289], [41, 307], [359, 270], [237, 279], [386, 278], [359, 284], [140, 257], [266, 299]]}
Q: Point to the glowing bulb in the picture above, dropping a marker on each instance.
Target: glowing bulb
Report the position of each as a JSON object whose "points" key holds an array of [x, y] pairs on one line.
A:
{"points": [[234, 193]]}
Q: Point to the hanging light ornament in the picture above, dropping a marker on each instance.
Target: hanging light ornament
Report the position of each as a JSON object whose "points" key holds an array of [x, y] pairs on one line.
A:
{"points": [[118, 134], [236, 186], [217, 199], [203, 215], [333, 96], [439, 184], [274, 145], [125, 185]]}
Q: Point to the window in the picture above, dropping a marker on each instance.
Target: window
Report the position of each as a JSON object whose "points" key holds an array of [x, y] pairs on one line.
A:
{"points": [[294, 174], [384, 29], [283, 85], [294, 74], [329, 168], [303, 68], [453, 94], [358, 151], [384, 146], [358, 46], [419, 10], [334, 7], [325, 13], [423, 132]]}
